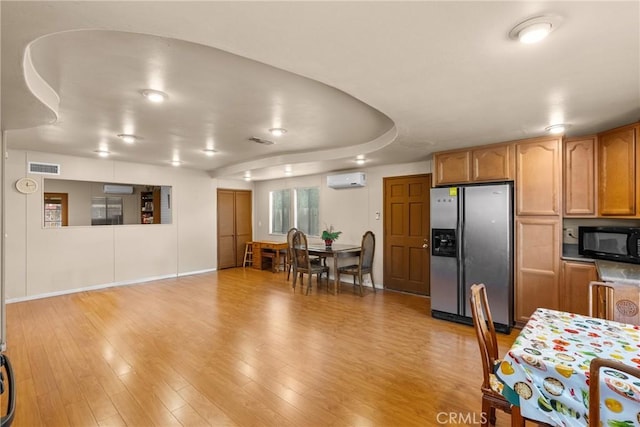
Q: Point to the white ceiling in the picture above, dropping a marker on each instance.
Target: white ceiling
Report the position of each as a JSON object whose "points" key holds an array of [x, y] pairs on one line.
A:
{"points": [[393, 81]]}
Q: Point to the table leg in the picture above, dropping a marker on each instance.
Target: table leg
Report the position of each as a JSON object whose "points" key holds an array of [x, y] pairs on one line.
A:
{"points": [[335, 276], [516, 417]]}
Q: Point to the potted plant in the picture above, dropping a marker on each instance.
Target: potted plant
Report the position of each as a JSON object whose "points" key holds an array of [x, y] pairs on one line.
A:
{"points": [[329, 236]]}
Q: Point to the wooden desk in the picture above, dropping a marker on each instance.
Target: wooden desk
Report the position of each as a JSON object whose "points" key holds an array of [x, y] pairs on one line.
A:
{"points": [[277, 247], [335, 251]]}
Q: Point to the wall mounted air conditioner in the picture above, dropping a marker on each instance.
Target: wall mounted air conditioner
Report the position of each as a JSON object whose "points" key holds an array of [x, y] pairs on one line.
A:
{"points": [[117, 189], [347, 180]]}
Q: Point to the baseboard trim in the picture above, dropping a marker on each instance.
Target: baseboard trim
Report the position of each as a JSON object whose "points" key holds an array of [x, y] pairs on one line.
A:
{"points": [[107, 285]]}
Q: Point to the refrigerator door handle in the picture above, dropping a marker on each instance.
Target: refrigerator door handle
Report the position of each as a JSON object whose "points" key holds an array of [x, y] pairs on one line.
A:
{"points": [[460, 250]]}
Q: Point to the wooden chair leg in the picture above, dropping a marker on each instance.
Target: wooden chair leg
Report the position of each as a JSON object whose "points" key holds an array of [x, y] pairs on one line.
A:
{"points": [[361, 285], [295, 277], [516, 417], [489, 413], [373, 284], [309, 283]]}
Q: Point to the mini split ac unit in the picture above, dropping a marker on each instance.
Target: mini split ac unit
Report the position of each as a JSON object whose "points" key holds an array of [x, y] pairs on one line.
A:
{"points": [[117, 189], [347, 180]]}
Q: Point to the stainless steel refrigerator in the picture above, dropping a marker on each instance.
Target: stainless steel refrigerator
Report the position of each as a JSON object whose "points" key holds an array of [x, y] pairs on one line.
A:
{"points": [[472, 242]]}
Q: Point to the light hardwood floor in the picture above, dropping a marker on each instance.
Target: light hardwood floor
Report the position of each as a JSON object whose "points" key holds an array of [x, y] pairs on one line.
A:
{"points": [[238, 347]]}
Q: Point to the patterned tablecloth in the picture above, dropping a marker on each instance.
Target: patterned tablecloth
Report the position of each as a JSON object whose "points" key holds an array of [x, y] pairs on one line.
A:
{"points": [[546, 370]]}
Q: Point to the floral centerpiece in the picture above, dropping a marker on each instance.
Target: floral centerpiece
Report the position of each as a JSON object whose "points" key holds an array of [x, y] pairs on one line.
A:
{"points": [[329, 235]]}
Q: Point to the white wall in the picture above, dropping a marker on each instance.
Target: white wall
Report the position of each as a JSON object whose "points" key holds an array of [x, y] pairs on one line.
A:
{"points": [[351, 210], [50, 261]]}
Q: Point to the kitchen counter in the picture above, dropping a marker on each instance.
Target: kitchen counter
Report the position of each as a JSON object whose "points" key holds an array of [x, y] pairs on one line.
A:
{"points": [[620, 272], [570, 253]]}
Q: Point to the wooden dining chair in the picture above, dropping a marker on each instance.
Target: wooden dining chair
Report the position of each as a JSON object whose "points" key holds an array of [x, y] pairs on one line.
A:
{"points": [[365, 263], [594, 384], [302, 262], [488, 344], [290, 254], [615, 301]]}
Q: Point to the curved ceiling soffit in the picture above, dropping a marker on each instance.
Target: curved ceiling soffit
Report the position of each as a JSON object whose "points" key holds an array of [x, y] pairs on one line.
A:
{"points": [[39, 86], [322, 155], [50, 99]]}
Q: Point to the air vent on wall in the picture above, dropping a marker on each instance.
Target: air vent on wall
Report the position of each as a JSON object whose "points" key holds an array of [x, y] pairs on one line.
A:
{"points": [[44, 168], [261, 141]]}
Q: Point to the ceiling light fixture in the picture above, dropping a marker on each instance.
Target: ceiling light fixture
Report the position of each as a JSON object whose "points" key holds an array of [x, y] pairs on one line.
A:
{"points": [[360, 161], [154, 95], [102, 153], [176, 162], [277, 131], [209, 151], [535, 29], [557, 128], [128, 138]]}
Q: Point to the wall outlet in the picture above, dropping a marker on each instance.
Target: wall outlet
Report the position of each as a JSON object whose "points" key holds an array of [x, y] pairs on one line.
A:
{"points": [[569, 234]]}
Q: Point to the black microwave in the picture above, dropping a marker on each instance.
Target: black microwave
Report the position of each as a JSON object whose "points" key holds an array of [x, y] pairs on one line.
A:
{"points": [[612, 243]]}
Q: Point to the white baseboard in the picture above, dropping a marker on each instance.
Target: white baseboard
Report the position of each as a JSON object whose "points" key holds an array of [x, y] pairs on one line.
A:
{"points": [[107, 285]]}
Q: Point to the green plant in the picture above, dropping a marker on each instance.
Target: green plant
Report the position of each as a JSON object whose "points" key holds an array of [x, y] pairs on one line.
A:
{"points": [[329, 234]]}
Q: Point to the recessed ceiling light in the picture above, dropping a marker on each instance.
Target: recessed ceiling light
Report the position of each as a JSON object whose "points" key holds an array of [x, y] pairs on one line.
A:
{"points": [[277, 131], [128, 138], [102, 153], [535, 29], [209, 151], [557, 128], [154, 95], [176, 162]]}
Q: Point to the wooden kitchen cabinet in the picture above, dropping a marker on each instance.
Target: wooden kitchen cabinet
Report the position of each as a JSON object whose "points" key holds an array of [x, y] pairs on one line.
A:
{"points": [[574, 294], [538, 176], [452, 167], [537, 272], [579, 177], [617, 171], [492, 163], [481, 164]]}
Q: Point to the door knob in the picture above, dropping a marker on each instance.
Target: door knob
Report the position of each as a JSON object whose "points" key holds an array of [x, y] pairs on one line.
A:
{"points": [[425, 244]]}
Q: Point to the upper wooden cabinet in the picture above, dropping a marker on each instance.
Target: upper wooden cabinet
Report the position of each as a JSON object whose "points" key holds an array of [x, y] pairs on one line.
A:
{"points": [[452, 167], [617, 172], [481, 164], [492, 163], [579, 177], [538, 176]]}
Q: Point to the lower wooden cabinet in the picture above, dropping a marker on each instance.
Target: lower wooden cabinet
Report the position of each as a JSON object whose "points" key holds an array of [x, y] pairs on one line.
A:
{"points": [[574, 293], [537, 265]]}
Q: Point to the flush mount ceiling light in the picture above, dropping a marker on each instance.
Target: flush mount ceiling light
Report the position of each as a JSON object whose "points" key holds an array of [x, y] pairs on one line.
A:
{"points": [[277, 131], [154, 95], [209, 151], [557, 128], [535, 29], [360, 161], [102, 153], [128, 138]]}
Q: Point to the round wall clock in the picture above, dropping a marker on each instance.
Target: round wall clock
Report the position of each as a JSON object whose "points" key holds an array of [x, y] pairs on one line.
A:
{"points": [[27, 185]]}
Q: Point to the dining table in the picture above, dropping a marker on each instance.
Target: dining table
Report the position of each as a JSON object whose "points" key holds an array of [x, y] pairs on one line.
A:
{"points": [[546, 371], [335, 251]]}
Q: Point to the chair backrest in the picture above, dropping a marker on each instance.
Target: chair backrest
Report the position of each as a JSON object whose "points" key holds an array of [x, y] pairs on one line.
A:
{"points": [[485, 330], [368, 250], [290, 234], [300, 251], [615, 301], [594, 384]]}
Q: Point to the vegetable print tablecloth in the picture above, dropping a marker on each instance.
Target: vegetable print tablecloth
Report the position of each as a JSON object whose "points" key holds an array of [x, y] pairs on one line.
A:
{"points": [[546, 370]]}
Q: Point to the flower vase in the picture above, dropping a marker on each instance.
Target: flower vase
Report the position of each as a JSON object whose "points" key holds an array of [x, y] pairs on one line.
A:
{"points": [[327, 243]]}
